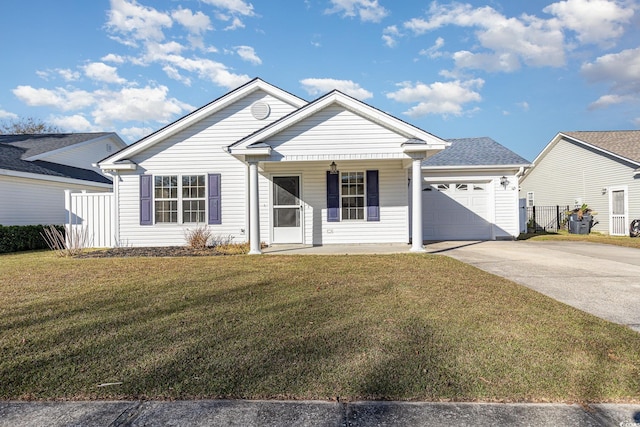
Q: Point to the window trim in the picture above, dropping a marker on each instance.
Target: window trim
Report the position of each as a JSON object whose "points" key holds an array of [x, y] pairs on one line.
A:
{"points": [[530, 200], [363, 196], [180, 199]]}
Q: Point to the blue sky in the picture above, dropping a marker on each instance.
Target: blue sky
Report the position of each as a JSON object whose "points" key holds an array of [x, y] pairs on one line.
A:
{"points": [[516, 71]]}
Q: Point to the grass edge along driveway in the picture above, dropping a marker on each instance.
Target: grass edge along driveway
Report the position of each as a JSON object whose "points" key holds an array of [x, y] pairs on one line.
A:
{"points": [[397, 327]]}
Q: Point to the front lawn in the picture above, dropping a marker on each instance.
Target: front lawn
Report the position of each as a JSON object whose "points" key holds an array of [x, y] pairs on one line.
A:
{"points": [[403, 327]]}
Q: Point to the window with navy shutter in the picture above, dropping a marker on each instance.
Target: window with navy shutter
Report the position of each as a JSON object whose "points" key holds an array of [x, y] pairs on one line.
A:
{"points": [[146, 199], [333, 197], [352, 194], [373, 196], [215, 207]]}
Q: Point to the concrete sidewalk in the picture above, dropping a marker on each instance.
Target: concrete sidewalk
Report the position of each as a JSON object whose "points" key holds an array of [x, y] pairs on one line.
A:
{"points": [[312, 413]]}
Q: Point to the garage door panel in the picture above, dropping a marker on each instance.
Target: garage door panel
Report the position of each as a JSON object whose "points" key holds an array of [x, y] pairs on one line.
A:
{"points": [[456, 213]]}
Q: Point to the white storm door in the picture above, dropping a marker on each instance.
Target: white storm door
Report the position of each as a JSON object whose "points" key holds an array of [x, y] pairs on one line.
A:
{"points": [[618, 210], [287, 209]]}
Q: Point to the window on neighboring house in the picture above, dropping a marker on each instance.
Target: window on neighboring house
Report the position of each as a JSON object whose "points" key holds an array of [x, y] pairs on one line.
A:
{"points": [[171, 191], [530, 200], [352, 196]]}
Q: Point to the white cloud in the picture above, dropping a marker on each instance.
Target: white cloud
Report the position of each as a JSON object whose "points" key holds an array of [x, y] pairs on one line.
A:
{"points": [[434, 51], [74, 123], [149, 103], [248, 54], [608, 100], [68, 75], [4, 114], [195, 23], [534, 41], [235, 24], [390, 36], [321, 86], [174, 74], [134, 133], [524, 105], [621, 71], [142, 22], [138, 104], [438, 98], [102, 72], [594, 21], [366, 10], [112, 57], [61, 98], [239, 7]]}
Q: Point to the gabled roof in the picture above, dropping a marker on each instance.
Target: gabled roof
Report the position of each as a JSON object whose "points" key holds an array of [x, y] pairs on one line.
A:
{"points": [[474, 152], [18, 151], [202, 112], [623, 143], [37, 144], [412, 133]]}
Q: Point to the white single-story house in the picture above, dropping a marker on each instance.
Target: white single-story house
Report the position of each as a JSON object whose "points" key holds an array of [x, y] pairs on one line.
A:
{"points": [[36, 169], [598, 168], [262, 165]]}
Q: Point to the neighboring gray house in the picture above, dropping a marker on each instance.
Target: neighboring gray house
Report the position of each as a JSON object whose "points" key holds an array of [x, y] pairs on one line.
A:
{"points": [[601, 169], [471, 191], [36, 169]]}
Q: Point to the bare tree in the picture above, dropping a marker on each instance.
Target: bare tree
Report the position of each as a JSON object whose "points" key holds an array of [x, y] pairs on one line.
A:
{"points": [[27, 125]]}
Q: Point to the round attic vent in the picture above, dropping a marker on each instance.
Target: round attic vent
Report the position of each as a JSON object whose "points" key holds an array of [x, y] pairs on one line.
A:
{"points": [[260, 110]]}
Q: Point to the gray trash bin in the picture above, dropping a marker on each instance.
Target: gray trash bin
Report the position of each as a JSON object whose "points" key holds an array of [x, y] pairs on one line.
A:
{"points": [[579, 226]]}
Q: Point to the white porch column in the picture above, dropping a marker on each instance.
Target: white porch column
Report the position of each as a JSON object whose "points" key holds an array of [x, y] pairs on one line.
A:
{"points": [[254, 210], [416, 205]]}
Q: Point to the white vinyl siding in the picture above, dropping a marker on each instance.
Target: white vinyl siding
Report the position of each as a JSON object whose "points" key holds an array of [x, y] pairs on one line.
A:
{"points": [[393, 225], [26, 201], [569, 172], [198, 150], [336, 134]]}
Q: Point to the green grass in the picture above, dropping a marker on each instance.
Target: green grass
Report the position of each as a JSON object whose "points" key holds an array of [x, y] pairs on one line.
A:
{"points": [[630, 242], [405, 327]]}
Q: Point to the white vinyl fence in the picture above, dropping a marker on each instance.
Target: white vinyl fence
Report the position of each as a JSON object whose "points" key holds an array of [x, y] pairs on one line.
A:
{"points": [[91, 215]]}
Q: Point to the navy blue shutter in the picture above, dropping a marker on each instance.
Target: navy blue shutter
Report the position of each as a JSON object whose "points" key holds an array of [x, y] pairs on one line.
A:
{"points": [[215, 207], [333, 197], [146, 200], [373, 196]]}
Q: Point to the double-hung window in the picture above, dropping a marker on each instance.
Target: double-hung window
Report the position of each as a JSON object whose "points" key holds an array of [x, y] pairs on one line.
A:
{"points": [[179, 199], [352, 196]]}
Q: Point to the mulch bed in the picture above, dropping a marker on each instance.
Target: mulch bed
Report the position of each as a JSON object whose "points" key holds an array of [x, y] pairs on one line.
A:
{"points": [[168, 251]]}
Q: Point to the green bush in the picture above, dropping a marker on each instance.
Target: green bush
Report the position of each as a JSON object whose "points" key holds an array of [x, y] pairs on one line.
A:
{"points": [[15, 238]]}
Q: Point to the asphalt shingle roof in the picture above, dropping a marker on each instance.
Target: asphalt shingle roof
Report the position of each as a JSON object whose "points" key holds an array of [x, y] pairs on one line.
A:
{"points": [[15, 148], [475, 152], [625, 143]]}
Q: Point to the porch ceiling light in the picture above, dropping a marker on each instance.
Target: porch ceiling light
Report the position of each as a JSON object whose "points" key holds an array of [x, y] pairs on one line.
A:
{"points": [[504, 181], [333, 168]]}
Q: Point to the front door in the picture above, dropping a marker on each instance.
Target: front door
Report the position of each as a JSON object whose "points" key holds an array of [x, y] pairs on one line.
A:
{"points": [[287, 209], [618, 209]]}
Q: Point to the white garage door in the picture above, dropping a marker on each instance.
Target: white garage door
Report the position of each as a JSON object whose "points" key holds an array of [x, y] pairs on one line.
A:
{"points": [[456, 211]]}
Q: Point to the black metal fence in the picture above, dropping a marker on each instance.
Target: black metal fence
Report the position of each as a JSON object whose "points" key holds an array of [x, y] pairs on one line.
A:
{"points": [[542, 219]]}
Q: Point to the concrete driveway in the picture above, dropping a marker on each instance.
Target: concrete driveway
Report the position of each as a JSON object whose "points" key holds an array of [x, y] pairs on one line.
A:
{"points": [[603, 280]]}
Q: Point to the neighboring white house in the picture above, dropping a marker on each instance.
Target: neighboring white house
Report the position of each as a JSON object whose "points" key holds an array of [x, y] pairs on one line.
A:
{"points": [[600, 169], [262, 165], [36, 169]]}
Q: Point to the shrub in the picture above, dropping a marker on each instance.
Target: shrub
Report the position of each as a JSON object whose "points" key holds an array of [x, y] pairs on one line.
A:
{"points": [[15, 238], [198, 238], [73, 243]]}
